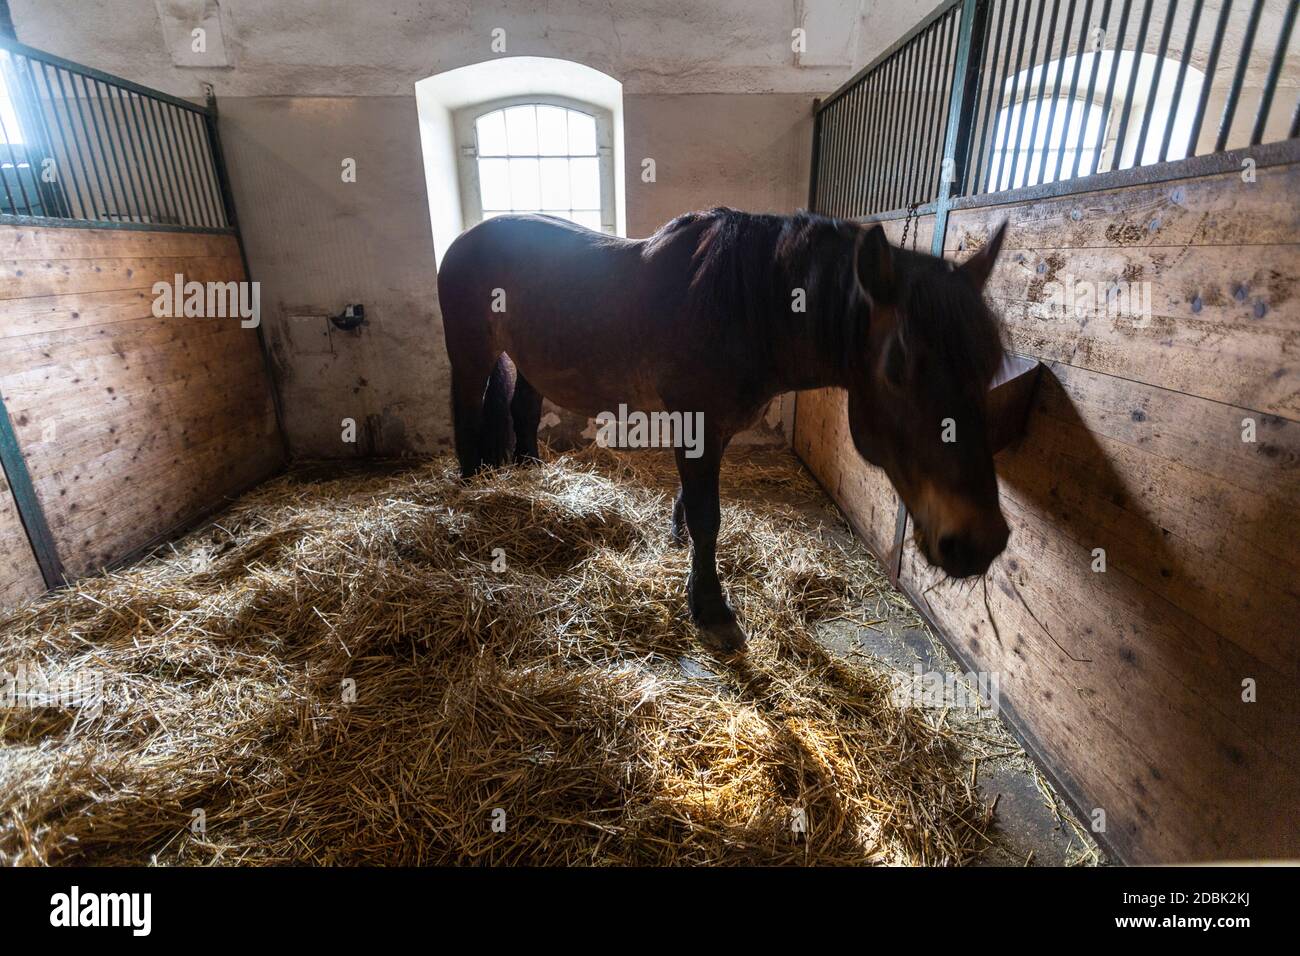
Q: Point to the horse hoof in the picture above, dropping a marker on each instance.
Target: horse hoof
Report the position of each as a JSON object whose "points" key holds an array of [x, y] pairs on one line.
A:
{"points": [[725, 637]]}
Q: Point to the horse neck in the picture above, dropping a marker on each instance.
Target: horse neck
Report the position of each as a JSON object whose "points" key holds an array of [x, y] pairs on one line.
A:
{"points": [[808, 350]]}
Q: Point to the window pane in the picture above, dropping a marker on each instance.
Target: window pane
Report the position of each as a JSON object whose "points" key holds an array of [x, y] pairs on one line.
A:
{"points": [[552, 131], [584, 183], [555, 184], [524, 192], [521, 130], [582, 134], [587, 217], [494, 183], [492, 134]]}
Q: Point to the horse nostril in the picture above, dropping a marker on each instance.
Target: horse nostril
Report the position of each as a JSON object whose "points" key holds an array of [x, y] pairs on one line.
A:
{"points": [[949, 547]]}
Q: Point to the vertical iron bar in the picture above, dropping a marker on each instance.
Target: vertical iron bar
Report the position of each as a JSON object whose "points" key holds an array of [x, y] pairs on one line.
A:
{"points": [[1274, 71], [859, 148], [1202, 105], [1074, 94], [956, 161], [182, 206], [814, 172], [1110, 90], [1087, 98], [888, 71], [1042, 88], [169, 208], [989, 124], [960, 74], [1010, 108], [942, 82], [124, 177], [929, 52], [1138, 53], [1230, 106], [138, 147], [1029, 82], [1178, 83], [200, 181], [114, 188], [912, 109], [65, 152], [1056, 94], [135, 170], [1140, 155], [48, 146], [95, 214]]}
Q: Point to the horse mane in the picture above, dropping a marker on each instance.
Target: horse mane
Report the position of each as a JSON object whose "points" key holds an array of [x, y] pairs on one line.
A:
{"points": [[746, 266]]}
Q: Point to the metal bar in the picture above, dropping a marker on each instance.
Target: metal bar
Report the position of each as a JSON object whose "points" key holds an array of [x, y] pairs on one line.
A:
{"points": [[134, 167], [1074, 94], [1150, 109], [65, 152], [138, 148], [186, 135], [124, 180], [9, 196], [1211, 63], [1042, 88], [968, 108], [934, 132], [187, 181], [1087, 99], [955, 119], [83, 150], [114, 188], [56, 187], [1274, 71], [1132, 86], [1238, 78], [929, 54], [165, 185], [859, 149], [889, 76], [183, 212], [1182, 76], [814, 172], [898, 191], [1110, 89], [27, 503], [872, 171], [13, 46], [989, 124], [1024, 103], [889, 52], [13, 161], [1010, 108], [1056, 95]]}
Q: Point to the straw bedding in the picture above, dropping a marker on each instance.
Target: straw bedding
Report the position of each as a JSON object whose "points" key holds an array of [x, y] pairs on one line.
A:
{"points": [[345, 670]]}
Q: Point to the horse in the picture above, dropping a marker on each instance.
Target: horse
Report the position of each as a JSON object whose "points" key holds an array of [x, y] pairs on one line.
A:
{"points": [[714, 315]]}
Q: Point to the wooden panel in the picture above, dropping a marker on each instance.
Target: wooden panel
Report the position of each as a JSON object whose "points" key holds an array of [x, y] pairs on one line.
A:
{"points": [[20, 577], [1128, 683], [1217, 255], [131, 424]]}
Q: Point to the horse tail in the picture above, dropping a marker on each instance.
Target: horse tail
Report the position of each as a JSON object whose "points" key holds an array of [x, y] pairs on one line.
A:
{"points": [[497, 434]]}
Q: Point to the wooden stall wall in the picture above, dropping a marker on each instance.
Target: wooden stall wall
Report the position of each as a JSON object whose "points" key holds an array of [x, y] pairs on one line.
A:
{"points": [[20, 576], [1161, 691], [131, 425]]}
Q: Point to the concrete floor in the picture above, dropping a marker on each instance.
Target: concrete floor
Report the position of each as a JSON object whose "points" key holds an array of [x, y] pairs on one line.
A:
{"points": [[1033, 825]]}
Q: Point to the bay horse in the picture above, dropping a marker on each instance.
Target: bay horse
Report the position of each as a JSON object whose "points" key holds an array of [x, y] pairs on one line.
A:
{"points": [[717, 313]]}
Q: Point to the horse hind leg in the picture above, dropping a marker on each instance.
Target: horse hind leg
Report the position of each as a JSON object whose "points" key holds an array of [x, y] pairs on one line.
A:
{"points": [[469, 383], [496, 435], [526, 413]]}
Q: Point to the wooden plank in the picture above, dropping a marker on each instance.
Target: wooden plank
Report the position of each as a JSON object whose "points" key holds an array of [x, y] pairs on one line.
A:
{"points": [[1220, 210], [131, 424], [41, 242], [22, 278], [20, 576]]}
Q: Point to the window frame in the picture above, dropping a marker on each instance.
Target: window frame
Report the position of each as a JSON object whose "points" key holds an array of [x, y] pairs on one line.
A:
{"points": [[463, 124]]}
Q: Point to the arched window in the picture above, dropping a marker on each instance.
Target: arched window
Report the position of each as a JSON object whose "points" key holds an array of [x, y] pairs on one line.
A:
{"points": [[540, 154]]}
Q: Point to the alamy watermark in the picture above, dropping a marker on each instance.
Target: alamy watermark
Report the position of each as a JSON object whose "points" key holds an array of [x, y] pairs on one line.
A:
{"points": [[975, 690], [28, 688], [1071, 296], [624, 429], [208, 300]]}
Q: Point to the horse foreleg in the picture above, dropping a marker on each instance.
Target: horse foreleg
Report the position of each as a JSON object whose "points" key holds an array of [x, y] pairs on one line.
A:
{"points": [[469, 381], [700, 503], [677, 530]]}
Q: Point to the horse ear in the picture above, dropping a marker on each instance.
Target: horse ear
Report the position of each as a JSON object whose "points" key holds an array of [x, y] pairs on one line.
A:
{"points": [[876, 265], [980, 266]]}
